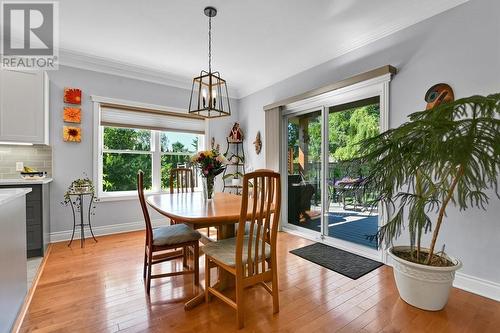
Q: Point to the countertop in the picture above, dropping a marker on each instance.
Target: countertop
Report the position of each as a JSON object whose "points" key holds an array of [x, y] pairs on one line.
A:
{"points": [[20, 181], [10, 194]]}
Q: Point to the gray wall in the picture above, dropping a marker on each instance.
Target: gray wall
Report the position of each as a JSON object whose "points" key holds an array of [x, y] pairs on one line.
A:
{"points": [[460, 47], [71, 160]]}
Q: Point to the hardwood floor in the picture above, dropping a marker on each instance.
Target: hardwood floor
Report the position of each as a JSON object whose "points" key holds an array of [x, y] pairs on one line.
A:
{"points": [[100, 289]]}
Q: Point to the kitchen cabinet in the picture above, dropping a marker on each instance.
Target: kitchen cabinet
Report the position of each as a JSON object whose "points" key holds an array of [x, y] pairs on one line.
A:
{"points": [[37, 217], [13, 284], [24, 107]]}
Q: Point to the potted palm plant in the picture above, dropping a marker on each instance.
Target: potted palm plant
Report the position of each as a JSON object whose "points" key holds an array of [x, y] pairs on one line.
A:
{"points": [[447, 155]]}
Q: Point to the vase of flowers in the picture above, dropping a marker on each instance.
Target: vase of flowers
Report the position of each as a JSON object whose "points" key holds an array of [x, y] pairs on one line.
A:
{"points": [[210, 163]]}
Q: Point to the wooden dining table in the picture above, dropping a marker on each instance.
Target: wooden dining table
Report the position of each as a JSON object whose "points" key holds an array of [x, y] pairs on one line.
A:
{"points": [[223, 211]]}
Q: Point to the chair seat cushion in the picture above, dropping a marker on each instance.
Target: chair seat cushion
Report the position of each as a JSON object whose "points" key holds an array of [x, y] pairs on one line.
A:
{"points": [[225, 250], [174, 234]]}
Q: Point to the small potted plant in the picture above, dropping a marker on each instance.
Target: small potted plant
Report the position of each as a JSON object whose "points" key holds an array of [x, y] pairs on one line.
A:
{"points": [[447, 155], [236, 181], [77, 186]]}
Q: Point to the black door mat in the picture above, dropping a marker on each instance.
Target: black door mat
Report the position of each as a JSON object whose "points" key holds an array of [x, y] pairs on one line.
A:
{"points": [[340, 261]]}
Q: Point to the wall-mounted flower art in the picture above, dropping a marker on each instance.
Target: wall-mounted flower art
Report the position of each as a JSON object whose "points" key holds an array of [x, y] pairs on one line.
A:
{"points": [[72, 134], [72, 115], [72, 96]]}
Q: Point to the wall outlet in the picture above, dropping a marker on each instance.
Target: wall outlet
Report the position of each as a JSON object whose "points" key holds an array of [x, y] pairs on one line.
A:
{"points": [[19, 166]]}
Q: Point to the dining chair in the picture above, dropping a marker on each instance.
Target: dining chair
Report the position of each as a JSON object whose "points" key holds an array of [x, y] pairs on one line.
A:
{"points": [[182, 181], [250, 257], [167, 240]]}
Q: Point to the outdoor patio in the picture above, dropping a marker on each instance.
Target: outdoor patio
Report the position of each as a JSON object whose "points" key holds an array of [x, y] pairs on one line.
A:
{"points": [[347, 224]]}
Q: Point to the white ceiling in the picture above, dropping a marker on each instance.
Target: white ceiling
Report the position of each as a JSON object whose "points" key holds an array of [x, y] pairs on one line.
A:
{"points": [[255, 43]]}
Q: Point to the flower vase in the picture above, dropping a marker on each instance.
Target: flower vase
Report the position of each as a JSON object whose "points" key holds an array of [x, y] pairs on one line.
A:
{"points": [[208, 187]]}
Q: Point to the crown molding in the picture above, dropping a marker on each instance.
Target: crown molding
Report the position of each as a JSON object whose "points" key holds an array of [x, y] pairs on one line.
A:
{"points": [[109, 66]]}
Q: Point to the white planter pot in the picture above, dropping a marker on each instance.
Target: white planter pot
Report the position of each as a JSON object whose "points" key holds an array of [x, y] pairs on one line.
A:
{"points": [[425, 287], [235, 182]]}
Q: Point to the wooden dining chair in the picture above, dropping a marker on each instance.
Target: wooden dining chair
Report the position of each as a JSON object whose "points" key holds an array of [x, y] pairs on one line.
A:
{"points": [[166, 240], [250, 257], [182, 181]]}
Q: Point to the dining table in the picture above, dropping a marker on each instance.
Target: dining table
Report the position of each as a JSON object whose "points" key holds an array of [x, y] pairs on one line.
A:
{"points": [[222, 211]]}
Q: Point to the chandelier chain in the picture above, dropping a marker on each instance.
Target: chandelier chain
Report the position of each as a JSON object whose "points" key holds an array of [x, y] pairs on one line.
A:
{"points": [[210, 44]]}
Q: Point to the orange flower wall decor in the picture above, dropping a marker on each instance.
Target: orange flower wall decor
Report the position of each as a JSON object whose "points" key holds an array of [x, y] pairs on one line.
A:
{"points": [[72, 115], [72, 134], [72, 96]]}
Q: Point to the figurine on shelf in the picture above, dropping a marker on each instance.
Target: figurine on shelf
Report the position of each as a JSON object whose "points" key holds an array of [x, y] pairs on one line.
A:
{"points": [[236, 135]]}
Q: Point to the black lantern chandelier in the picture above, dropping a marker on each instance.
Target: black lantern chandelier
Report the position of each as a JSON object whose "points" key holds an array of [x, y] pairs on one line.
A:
{"points": [[209, 96]]}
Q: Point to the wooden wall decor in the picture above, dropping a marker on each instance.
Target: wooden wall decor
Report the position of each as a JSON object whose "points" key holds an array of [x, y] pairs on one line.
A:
{"points": [[258, 143], [437, 94]]}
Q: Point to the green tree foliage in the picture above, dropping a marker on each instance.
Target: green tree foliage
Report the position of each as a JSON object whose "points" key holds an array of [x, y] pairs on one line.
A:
{"points": [[349, 127], [178, 147], [346, 128], [120, 170]]}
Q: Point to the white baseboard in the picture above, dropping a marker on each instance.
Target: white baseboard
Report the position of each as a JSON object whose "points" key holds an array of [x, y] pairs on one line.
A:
{"points": [[477, 286], [60, 236]]}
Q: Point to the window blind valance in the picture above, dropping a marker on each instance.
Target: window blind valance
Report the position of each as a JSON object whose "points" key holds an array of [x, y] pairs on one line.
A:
{"points": [[122, 116]]}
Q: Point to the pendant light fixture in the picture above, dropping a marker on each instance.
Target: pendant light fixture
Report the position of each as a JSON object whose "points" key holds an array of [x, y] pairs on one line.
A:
{"points": [[209, 96]]}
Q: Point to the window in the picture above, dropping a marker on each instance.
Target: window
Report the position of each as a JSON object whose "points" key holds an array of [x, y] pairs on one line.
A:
{"points": [[176, 150], [125, 151], [128, 140]]}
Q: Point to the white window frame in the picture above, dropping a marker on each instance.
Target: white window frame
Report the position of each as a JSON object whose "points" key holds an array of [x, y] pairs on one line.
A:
{"points": [[155, 152]]}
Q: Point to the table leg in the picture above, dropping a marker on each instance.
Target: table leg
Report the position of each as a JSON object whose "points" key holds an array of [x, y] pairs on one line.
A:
{"points": [[198, 299], [225, 279]]}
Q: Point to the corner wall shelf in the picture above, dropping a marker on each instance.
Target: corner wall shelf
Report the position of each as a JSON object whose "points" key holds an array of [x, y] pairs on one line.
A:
{"points": [[236, 169]]}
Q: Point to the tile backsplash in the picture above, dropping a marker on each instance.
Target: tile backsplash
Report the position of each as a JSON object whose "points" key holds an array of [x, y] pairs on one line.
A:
{"points": [[37, 157]]}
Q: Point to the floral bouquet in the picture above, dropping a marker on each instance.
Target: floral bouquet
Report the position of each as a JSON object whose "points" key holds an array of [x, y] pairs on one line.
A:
{"points": [[211, 163]]}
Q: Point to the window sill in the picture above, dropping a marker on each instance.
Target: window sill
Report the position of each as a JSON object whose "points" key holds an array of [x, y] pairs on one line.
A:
{"points": [[129, 196]]}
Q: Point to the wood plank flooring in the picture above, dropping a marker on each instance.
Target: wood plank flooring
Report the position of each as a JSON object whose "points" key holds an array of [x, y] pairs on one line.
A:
{"points": [[100, 289]]}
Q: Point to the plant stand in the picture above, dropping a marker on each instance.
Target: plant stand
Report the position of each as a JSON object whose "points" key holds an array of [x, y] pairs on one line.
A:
{"points": [[234, 152], [79, 208]]}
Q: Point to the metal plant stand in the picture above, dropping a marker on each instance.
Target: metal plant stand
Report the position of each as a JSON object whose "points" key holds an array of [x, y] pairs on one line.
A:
{"points": [[79, 208]]}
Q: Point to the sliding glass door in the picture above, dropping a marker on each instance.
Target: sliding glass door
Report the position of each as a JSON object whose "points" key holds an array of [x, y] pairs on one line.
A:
{"points": [[304, 168], [350, 215], [325, 198]]}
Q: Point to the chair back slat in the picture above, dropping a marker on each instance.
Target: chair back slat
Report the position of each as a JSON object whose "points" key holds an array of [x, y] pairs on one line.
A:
{"points": [[260, 210], [181, 180], [145, 212]]}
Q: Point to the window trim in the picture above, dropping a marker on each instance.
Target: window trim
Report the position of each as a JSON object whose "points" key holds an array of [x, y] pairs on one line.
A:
{"points": [[156, 153]]}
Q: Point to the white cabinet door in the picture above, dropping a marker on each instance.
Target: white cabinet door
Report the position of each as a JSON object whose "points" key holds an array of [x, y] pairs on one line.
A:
{"points": [[23, 107]]}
